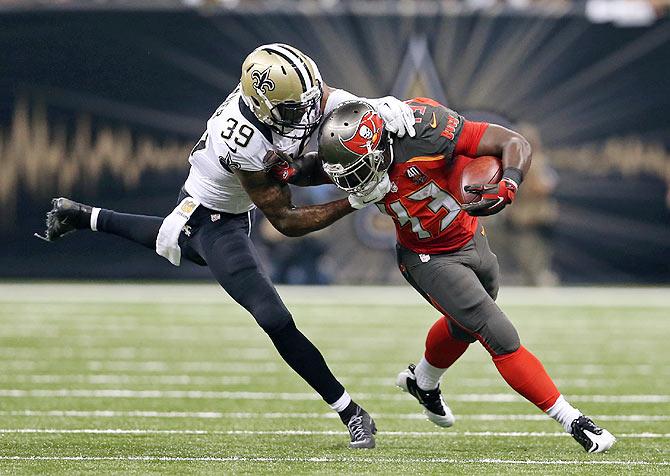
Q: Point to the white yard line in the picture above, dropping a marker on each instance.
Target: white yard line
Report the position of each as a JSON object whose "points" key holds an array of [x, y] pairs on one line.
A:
{"points": [[274, 365], [231, 395], [141, 431], [319, 295], [309, 416], [264, 354], [155, 366], [101, 379], [329, 459], [213, 380]]}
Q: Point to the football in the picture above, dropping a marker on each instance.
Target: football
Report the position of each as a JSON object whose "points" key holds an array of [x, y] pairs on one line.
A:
{"points": [[484, 169]]}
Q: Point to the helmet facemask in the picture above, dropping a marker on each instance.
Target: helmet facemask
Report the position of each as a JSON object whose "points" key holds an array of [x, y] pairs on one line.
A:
{"points": [[287, 118], [364, 174]]}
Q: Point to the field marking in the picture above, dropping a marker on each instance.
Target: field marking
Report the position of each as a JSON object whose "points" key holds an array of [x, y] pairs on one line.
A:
{"points": [[184, 379], [352, 369], [297, 415], [102, 379], [142, 431], [156, 366], [231, 395], [186, 294], [330, 459]]}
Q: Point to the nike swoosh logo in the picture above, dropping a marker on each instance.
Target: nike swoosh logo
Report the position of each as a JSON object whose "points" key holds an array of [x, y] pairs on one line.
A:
{"points": [[433, 122], [233, 150]]}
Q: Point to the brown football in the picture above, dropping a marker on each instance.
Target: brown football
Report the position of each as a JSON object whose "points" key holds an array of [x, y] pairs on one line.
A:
{"points": [[484, 169]]}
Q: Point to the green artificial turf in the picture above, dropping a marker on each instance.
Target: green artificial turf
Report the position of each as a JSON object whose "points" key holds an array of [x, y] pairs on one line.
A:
{"points": [[195, 387]]}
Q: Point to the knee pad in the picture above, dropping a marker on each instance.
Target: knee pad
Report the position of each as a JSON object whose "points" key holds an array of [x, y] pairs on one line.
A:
{"points": [[501, 337], [493, 289], [459, 333], [497, 333]]}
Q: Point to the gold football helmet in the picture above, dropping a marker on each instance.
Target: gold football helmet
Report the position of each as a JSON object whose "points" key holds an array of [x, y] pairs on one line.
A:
{"points": [[283, 88]]}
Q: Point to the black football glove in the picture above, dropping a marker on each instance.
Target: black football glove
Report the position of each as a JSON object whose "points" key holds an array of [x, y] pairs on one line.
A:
{"points": [[495, 197], [279, 166]]}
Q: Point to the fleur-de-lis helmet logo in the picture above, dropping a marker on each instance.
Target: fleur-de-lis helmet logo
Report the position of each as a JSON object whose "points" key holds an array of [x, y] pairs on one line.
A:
{"points": [[261, 80]]}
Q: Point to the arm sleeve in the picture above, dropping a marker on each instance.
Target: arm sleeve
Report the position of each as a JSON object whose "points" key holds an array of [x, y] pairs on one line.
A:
{"points": [[337, 97], [441, 130], [438, 129], [468, 140]]}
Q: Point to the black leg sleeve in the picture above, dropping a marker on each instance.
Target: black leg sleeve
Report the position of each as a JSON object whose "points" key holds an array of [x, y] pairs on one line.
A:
{"points": [[306, 360], [141, 229], [232, 259]]}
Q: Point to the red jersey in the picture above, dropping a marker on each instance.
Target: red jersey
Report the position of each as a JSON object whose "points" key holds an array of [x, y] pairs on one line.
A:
{"points": [[425, 178]]}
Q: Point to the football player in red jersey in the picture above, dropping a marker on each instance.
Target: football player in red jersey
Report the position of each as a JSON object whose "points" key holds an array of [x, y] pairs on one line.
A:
{"points": [[442, 248]]}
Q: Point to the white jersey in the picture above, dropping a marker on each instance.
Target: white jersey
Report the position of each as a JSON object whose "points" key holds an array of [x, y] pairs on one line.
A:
{"points": [[236, 140]]}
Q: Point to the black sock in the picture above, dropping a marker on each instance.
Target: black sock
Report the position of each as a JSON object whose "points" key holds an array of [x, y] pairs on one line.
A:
{"points": [[303, 357], [347, 413], [141, 229]]}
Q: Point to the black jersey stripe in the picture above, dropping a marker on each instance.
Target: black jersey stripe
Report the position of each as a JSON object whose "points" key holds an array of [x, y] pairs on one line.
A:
{"points": [[291, 62], [249, 116]]}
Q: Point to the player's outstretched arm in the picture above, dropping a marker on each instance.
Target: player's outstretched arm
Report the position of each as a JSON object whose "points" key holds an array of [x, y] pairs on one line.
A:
{"points": [[274, 200]]}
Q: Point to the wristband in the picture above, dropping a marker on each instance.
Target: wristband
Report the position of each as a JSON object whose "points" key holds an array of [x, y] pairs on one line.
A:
{"points": [[513, 174]]}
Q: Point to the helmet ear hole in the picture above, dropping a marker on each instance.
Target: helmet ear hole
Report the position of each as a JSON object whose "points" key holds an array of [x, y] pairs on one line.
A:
{"points": [[332, 134], [255, 101]]}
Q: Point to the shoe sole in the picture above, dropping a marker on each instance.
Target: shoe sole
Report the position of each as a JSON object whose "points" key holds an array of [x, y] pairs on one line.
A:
{"points": [[365, 445]]}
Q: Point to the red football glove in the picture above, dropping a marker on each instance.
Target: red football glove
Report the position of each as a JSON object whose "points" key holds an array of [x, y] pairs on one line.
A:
{"points": [[494, 197], [279, 166]]}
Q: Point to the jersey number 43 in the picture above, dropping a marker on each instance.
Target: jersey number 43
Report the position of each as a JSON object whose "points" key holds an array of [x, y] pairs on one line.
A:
{"points": [[440, 200]]}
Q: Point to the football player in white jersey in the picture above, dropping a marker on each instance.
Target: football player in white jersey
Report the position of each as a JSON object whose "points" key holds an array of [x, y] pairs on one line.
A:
{"points": [[279, 103]]}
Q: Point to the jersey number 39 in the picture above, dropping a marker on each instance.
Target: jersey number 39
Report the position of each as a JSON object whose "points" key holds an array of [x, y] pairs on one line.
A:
{"points": [[244, 133]]}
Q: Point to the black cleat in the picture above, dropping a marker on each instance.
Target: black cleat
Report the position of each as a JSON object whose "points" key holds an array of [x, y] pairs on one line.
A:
{"points": [[593, 438], [362, 428], [65, 217], [434, 407]]}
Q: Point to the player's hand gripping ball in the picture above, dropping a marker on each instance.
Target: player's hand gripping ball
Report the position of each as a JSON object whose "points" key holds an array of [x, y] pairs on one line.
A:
{"points": [[495, 197], [484, 193]]}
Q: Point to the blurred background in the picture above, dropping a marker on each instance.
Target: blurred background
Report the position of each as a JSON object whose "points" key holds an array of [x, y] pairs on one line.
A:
{"points": [[102, 101]]}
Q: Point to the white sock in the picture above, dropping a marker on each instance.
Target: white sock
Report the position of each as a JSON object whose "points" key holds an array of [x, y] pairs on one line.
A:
{"points": [[427, 376], [94, 218], [564, 413], [341, 403]]}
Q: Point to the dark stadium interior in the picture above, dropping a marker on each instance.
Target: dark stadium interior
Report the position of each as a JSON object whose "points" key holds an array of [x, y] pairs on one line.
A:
{"points": [[74, 79]]}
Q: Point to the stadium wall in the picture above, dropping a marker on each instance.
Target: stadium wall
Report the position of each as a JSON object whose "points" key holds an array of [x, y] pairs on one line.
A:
{"points": [[105, 105]]}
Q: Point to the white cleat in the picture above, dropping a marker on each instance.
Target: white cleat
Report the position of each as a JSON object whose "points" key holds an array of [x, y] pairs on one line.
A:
{"points": [[434, 406], [593, 438]]}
